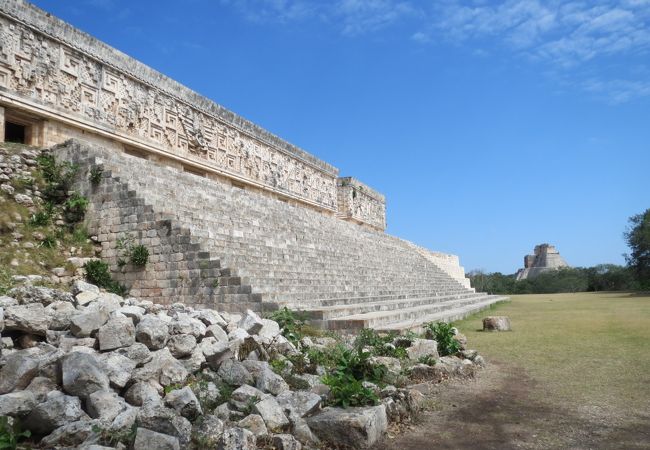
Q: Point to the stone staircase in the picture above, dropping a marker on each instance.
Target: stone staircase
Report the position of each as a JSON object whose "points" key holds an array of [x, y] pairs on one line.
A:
{"points": [[341, 275]]}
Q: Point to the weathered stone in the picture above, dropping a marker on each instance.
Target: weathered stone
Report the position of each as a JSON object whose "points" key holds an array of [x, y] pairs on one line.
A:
{"points": [[422, 347], [87, 323], [152, 332], [150, 440], [59, 409], [71, 434], [142, 393], [217, 332], [272, 413], [17, 404], [181, 345], [81, 286], [86, 297], [138, 353], [234, 373], [271, 382], [270, 329], [234, 438], [18, 371], [82, 374], [209, 317], [61, 314], [352, 427], [184, 324], [31, 318], [195, 361], [208, 430], [286, 442], [545, 258], [245, 396], [255, 424], [40, 387], [496, 323], [215, 352], [251, 322], [163, 368], [299, 403], [116, 333], [105, 405], [119, 368], [164, 420], [136, 313], [184, 402]]}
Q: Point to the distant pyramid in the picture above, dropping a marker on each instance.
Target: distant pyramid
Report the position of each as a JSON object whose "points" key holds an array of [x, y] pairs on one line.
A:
{"points": [[545, 258]]}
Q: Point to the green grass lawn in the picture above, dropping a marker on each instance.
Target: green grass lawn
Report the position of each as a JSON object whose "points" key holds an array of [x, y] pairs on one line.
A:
{"points": [[585, 349]]}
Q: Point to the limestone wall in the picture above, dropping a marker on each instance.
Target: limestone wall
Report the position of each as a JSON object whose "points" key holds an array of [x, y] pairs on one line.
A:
{"points": [[358, 202]]}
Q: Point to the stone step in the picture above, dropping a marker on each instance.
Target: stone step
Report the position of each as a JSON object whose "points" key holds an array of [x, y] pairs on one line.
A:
{"points": [[410, 317], [446, 316]]}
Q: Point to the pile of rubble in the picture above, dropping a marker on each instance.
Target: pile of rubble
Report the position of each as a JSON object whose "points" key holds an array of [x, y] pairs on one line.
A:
{"points": [[90, 369]]}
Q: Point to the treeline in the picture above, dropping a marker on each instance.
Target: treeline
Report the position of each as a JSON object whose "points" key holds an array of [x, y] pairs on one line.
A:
{"points": [[603, 277]]}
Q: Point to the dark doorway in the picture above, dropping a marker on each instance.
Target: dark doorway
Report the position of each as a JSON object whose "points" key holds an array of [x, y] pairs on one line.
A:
{"points": [[14, 133]]}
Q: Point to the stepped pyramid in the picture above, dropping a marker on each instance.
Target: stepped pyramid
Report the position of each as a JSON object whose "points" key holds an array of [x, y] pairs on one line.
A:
{"points": [[233, 216]]}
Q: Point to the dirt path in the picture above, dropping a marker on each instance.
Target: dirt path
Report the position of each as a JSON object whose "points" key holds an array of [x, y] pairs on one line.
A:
{"points": [[501, 410]]}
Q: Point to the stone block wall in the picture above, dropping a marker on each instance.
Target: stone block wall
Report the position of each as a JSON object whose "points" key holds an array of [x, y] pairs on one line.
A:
{"points": [[358, 202], [178, 270]]}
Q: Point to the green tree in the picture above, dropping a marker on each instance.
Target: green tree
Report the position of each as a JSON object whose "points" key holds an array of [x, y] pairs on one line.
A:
{"points": [[638, 239]]}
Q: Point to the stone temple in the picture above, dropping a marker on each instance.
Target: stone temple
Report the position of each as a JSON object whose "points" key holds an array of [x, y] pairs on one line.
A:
{"points": [[545, 258], [233, 216]]}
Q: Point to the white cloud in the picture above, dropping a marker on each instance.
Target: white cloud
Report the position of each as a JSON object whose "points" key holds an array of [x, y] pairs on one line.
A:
{"points": [[361, 16]]}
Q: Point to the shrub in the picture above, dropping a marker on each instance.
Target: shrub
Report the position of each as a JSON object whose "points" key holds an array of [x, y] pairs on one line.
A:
{"points": [[97, 273], [6, 281], [40, 219], [290, 323], [75, 208], [58, 176], [345, 391], [380, 344], [10, 433], [49, 242], [443, 334], [95, 175], [139, 255]]}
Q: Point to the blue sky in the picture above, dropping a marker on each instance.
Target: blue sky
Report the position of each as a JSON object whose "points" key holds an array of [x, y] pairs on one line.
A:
{"points": [[489, 126]]}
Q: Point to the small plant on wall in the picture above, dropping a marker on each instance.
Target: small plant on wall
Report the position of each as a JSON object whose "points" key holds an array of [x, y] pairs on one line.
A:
{"points": [[130, 252]]}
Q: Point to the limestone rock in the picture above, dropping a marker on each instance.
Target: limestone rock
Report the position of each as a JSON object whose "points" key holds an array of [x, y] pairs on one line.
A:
{"points": [[184, 324], [135, 313], [71, 434], [17, 404], [181, 345], [31, 318], [18, 371], [234, 373], [138, 353], [208, 430], [299, 403], [142, 393], [217, 332], [150, 440], [244, 396], [255, 424], [80, 286], [251, 322], [87, 323], [105, 405], [422, 347], [352, 427], [164, 420], [40, 387], [184, 402], [59, 409], [271, 382], [496, 323], [286, 442], [237, 438], [215, 352], [82, 374], [119, 368], [152, 332], [272, 413], [116, 333]]}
